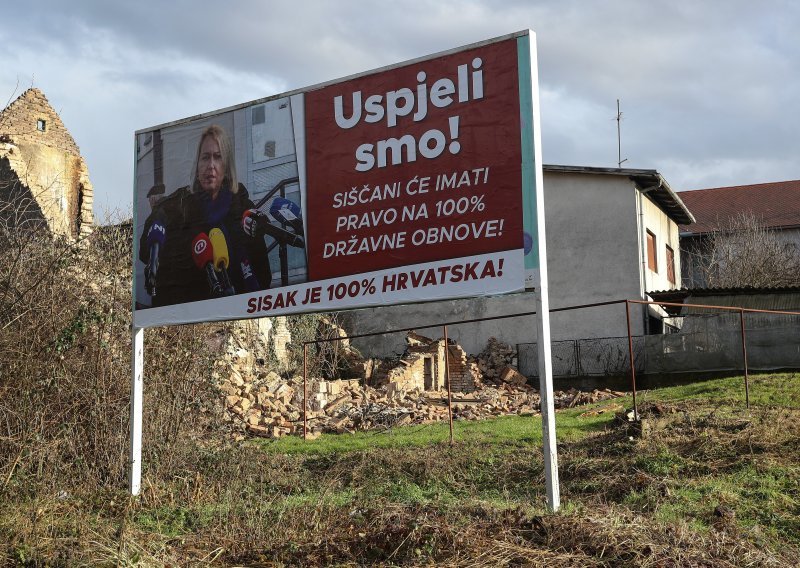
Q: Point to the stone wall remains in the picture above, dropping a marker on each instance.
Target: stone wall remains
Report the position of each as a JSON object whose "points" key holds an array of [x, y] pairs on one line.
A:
{"points": [[44, 161]]}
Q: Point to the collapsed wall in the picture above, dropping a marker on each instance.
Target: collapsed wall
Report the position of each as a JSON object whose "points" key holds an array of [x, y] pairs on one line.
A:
{"points": [[411, 389], [424, 366]]}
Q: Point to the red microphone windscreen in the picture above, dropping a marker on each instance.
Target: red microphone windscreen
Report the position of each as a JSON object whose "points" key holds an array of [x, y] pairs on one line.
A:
{"points": [[247, 222], [201, 250]]}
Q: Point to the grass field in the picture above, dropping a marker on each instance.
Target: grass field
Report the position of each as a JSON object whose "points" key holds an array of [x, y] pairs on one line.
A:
{"points": [[706, 483]]}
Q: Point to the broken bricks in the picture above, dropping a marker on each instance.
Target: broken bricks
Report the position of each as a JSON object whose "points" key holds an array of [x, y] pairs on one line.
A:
{"points": [[274, 408]]}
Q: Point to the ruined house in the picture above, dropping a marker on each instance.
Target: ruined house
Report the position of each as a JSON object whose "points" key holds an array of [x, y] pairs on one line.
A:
{"points": [[44, 181], [422, 367]]}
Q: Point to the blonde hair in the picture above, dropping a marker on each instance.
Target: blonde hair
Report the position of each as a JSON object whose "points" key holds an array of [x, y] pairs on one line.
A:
{"points": [[226, 149]]}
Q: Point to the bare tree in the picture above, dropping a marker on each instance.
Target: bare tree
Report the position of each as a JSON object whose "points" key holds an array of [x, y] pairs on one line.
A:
{"points": [[743, 252]]}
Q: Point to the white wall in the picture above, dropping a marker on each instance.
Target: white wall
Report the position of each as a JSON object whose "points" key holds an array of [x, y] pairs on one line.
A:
{"points": [[593, 256]]}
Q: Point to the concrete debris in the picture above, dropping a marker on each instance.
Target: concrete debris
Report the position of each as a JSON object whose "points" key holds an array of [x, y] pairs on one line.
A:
{"points": [[498, 364], [510, 375], [347, 406], [412, 390]]}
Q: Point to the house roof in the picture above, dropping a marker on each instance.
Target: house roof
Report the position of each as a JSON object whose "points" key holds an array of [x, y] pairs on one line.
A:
{"points": [[774, 298], [649, 182], [775, 204]]}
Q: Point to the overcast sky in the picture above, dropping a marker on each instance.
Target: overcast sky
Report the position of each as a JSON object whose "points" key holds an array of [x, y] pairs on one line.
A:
{"points": [[709, 90]]}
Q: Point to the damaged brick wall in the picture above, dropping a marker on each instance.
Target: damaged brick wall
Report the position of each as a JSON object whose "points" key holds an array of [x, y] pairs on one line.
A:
{"points": [[43, 163], [261, 402], [422, 367], [462, 375]]}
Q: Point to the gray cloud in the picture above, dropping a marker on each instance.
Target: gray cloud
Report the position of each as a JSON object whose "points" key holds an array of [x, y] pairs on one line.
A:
{"points": [[709, 90]]}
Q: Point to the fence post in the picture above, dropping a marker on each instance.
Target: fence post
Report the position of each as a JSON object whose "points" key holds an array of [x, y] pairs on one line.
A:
{"points": [[305, 391], [447, 378], [630, 353], [744, 358]]}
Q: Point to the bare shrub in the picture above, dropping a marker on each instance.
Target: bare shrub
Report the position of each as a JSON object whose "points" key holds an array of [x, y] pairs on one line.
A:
{"points": [[65, 344], [329, 357], [743, 252]]}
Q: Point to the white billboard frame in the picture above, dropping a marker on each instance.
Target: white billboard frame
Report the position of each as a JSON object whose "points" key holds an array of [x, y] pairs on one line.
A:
{"points": [[533, 275]]}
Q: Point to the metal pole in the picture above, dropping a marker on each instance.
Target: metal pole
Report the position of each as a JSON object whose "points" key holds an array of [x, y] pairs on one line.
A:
{"points": [[137, 399], [744, 358], [305, 391], [447, 378], [619, 138], [630, 354], [533, 179]]}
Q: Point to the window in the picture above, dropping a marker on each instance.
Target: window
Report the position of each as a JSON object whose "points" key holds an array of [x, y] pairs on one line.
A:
{"points": [[41, 125], [259, 115], [652, 261], [670, 265]]}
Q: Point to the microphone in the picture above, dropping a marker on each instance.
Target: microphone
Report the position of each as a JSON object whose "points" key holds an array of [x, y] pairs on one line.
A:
{"points": [[222, 260], [203, 257], [248, 276], [287, 212], [156, 236], [256, 224]]}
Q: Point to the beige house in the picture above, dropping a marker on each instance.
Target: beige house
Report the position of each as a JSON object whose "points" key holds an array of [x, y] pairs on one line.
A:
{"points": [[612, 234], [44, 180]]}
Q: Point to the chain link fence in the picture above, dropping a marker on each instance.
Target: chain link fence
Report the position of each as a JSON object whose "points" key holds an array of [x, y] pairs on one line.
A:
{"points": [[704, 342], [605, 356]]}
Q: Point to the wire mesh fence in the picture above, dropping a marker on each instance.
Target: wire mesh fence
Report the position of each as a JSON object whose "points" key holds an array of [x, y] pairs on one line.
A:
{"points": [[700, 342], [699, 338], [604, 356]]}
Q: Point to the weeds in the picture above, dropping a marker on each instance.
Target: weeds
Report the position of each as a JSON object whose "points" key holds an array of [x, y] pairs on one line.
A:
{"points": [[715, 486]]}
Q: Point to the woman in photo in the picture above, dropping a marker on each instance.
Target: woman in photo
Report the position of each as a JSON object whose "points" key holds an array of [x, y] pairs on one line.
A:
{"points": [[194, 223]]}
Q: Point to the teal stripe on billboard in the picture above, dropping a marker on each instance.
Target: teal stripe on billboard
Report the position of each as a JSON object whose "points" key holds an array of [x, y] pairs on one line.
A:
{"points": [[528, 177]]}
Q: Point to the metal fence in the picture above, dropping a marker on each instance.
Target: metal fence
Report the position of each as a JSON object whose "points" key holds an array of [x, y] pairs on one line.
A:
{"points": [[690, 349], [704, 342], [605, 356]]}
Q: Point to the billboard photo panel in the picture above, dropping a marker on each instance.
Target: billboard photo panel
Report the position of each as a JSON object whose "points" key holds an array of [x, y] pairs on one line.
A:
{"points": [[410, 183]]}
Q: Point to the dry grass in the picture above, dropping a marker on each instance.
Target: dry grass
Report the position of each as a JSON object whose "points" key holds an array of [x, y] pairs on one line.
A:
{"points": [[713, 487], [470, 505]]}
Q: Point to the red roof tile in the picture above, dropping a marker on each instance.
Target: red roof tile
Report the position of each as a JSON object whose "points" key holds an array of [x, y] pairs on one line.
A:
{"points": [[777, 204]]}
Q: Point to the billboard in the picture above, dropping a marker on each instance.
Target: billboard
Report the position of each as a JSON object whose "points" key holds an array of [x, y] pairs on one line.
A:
{"points": [[411, 183]]}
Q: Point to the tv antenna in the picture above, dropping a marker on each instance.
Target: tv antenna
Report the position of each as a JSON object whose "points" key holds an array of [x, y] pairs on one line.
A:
{"points": [[620, 161]]}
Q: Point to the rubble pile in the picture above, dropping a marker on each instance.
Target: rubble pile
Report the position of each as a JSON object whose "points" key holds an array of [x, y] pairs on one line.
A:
{"points": [[497, 364], [347, 406], [268, 412], [262, 403]]}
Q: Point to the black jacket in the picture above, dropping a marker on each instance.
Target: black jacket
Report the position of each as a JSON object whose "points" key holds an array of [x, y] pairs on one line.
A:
{"points": [[185, 215]]}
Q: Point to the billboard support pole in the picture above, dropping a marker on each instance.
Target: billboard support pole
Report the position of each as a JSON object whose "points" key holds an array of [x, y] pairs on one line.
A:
{"points": [[305, 391], [533, 178], [547, 404], [447, 378], [137, 399]]}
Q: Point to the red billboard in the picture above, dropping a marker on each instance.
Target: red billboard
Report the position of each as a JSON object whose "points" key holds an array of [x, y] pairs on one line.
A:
{"points": [[415, 164], [404, 184]]}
